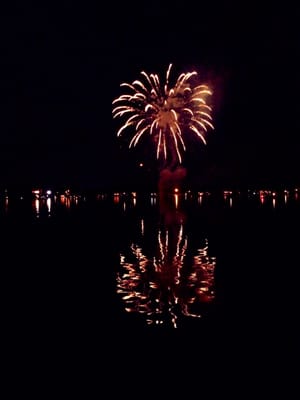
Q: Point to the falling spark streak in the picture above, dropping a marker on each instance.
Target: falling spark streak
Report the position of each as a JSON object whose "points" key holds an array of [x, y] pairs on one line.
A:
{"points": [[152, 127], [123, 127], [198, 133], [205, 91], [203, 106], [198, 99], [205, 114], [122, 98], [167, 113], [176, 144], [168, 74], [159, 141], [139, 124], [139, 83], [128, 85], [174, 113], [189, 111], [179, 135], [165, 148], [139, 96], [200, 123], [120, 113], [136, 137]]}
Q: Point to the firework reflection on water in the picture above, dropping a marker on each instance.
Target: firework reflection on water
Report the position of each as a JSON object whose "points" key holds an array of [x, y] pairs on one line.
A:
{"points": [[171, 281]]}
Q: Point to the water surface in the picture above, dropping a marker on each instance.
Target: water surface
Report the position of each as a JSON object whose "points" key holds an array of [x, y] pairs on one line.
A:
{"points": [[195, 261]]}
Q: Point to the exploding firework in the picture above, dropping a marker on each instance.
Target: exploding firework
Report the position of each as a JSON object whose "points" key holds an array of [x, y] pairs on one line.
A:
{"points": [[167, 112]]}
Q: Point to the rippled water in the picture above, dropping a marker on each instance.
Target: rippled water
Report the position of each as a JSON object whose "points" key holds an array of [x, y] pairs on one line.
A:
{"points": [[136, 260], [163, 274]]}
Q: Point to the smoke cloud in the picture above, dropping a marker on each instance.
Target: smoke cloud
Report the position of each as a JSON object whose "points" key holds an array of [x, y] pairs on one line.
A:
{"points": [[169, 180]]}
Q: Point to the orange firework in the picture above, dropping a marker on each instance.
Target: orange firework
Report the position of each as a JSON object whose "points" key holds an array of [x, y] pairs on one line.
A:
{"points": [[166, 112]]}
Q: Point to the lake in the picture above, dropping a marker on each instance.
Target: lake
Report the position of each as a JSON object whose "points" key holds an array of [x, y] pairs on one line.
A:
{"points": [[209, 265]]}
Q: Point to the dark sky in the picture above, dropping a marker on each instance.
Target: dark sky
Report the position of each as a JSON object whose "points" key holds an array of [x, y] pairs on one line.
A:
{"points": [[61, 66]]}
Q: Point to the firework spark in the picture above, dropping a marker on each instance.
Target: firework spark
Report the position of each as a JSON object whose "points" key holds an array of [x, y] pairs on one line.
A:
{"points": [[167, 112]]}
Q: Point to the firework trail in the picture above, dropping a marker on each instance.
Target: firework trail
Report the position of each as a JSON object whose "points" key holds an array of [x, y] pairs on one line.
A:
{"points": [[167, 112]]}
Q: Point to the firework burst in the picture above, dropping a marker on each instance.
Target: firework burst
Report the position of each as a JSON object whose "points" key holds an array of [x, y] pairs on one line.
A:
{"points": [[167, 112]]}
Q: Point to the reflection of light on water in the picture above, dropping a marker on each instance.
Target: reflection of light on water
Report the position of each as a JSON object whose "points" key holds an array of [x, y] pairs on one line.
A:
{"points": [[153, 198], [179, 240], [274, 202], [37, 207], [36, 193], [166, 287], [45, 202], [176, 198], [101, 196], [116, 198], [203, 277], [227, 195], [142, 227], [134, 198], [200, 197], [265, 196], [49, 205]]}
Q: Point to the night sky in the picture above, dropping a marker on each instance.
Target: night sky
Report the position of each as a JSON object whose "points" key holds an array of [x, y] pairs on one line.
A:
{"points": [[61, 66]]}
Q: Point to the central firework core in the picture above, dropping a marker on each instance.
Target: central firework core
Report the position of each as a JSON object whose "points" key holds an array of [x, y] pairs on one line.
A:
{"points": [[167, 112], [165, 118]]}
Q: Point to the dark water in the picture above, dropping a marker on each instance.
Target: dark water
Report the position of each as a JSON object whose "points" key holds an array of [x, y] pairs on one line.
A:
{"points": [[187, 272]]}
